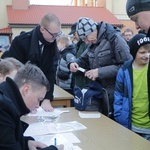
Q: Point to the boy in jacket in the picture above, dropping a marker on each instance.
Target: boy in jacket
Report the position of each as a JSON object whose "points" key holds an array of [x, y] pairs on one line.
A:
{"points": [[132, 90]]}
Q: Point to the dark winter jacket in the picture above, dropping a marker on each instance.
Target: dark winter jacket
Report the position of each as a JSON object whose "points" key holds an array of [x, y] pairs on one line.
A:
{"points": [[67, 55], [26, 48], [12, 107]]}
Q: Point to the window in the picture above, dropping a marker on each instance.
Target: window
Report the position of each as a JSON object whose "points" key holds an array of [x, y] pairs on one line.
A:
{"points": [[4, 41]]}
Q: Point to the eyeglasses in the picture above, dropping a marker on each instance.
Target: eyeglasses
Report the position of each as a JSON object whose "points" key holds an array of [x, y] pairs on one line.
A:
{"points": [[54, 35]]}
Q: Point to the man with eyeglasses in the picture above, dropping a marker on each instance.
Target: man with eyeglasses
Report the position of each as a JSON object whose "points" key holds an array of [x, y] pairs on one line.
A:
{"points": [[39, 47], [106, 53]]}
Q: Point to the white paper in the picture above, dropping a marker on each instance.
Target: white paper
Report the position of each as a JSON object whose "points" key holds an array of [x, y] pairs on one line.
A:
{"points": [[51, 128], [81, 69], [67, 139], [89, 114], [53, 114], [61, 138]]}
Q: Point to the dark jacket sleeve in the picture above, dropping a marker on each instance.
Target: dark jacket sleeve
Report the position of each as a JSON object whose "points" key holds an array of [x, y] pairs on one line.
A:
{"points": [[26, 139], [20, 48], [11, 136]]}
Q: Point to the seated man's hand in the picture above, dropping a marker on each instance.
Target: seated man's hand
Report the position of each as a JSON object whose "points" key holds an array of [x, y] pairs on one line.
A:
{"points": [[46, 105], [60, 147], [33, 145]]}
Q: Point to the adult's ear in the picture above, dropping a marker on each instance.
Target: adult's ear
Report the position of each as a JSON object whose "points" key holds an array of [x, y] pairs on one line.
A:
{"points": [[42, 29], [25, 90]]}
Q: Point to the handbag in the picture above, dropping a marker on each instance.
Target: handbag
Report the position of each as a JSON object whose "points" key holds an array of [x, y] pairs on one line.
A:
{"points": [[88, 98]]}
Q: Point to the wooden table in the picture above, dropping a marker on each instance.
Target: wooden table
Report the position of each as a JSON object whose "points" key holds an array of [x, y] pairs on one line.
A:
{"points": [[61, 97], [101, 133]]}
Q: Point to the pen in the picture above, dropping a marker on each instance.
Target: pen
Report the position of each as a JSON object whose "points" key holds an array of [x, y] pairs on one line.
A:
{"points": [[55, 141]]}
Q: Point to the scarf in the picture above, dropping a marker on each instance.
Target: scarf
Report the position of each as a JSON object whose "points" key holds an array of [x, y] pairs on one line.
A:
{"points": [[34, 52]]}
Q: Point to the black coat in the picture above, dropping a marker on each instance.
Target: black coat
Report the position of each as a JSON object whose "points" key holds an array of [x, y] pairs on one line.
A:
{"points": [[26, 48], [12, 107]]}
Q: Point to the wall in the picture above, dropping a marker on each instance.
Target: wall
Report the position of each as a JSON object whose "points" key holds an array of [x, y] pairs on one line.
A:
{"points": [[98, 3], [3, 12], [20, 4]]}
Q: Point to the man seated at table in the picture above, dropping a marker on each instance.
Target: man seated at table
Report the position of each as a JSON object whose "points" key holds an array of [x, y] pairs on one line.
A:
{"points": [[18, 98]]}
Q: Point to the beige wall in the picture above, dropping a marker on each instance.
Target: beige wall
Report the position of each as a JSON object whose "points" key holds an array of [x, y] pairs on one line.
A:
{"points": [[116, 6], [3, 12], [98, 3], [16, 31]]}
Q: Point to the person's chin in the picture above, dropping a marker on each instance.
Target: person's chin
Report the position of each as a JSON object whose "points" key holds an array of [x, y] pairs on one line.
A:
{"points": [[50, 40]]}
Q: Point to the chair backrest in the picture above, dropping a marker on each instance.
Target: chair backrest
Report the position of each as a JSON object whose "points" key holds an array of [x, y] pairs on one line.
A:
{"points": [[106, 104]]}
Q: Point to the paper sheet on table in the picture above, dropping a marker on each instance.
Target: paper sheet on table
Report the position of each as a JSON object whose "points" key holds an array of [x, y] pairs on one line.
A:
{"points": [[61, 138], [68, 146], [51, 128], [67, 139], [89, 114], [41, 112]]}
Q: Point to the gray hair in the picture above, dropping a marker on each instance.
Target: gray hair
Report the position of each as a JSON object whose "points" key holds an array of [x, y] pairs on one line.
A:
{"points": [[32, 75]]}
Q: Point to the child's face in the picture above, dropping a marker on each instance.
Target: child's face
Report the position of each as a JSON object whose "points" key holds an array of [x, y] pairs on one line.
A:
{"points": [[143, 56]]}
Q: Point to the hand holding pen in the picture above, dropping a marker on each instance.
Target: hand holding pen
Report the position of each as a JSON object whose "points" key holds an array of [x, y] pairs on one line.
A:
{"points": [[60, 147]]}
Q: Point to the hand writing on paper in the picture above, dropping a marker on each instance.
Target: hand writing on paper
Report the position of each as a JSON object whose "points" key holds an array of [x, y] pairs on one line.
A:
{"points": [[33, 145], [60, 147]]}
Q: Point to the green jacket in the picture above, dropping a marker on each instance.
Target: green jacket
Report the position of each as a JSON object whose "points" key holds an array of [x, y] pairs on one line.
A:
{"points": [[79, 79]]}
